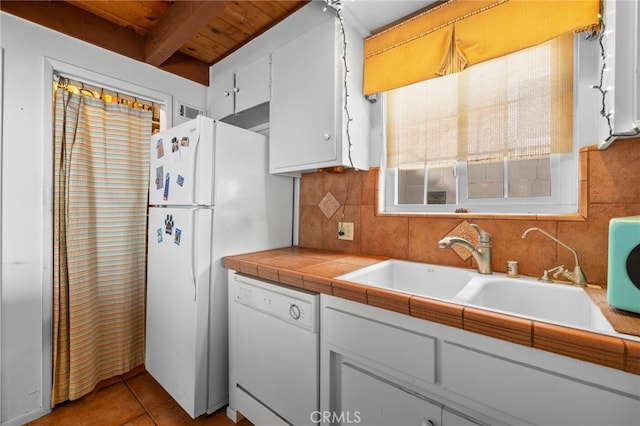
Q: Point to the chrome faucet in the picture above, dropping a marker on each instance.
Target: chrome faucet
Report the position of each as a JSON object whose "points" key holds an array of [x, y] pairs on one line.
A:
{"points": [[481, 254], [577, 276]]}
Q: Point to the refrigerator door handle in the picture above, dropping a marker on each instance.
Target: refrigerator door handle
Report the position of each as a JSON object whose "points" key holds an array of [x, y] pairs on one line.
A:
{"points": [[192, 256], [196, 171]]}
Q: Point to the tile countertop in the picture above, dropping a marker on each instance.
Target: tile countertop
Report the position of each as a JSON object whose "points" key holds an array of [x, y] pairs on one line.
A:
{"points": [[315, 270]]}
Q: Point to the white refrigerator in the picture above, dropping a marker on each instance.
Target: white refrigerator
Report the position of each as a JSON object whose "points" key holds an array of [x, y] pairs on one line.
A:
{"points": [[210, 195]]}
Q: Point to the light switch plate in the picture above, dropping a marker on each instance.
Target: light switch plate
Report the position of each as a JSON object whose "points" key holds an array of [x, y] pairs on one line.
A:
{"points": [[345, 231]]}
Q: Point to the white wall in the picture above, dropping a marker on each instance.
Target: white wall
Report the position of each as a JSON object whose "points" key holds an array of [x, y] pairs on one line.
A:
{"points": [[26, 196]]}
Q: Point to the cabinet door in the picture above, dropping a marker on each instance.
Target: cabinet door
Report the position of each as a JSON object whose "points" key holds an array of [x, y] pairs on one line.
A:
{"points": [[252, 86], [222, 99], [371, 400], [304, 101]]}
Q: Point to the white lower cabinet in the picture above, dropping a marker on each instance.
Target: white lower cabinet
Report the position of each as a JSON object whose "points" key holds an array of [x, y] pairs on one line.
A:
{"points": [[379, 367], [532, 393]]}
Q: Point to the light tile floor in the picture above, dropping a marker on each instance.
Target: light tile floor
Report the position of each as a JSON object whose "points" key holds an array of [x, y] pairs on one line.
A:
{"points": [[135, 399]]}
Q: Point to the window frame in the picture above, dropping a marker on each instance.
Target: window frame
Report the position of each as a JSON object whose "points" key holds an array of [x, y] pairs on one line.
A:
{"points": [[564, 197]]}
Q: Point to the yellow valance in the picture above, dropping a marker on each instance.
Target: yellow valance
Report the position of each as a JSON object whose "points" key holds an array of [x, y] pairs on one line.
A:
{"points": [[459, 33]]}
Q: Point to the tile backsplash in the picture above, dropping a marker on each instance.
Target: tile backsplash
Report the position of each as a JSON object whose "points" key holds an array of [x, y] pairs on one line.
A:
{"points": [[609, 187]]}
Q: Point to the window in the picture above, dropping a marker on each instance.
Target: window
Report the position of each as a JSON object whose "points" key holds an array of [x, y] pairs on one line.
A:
{"points": [[496, 137]]}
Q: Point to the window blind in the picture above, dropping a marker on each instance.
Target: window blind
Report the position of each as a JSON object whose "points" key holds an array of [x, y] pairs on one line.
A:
{"points": [[516, 106], [460, 33]]}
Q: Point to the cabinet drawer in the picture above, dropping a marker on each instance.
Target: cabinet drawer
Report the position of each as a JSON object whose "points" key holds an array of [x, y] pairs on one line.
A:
{"points": [[531, 393], [396, 348]]}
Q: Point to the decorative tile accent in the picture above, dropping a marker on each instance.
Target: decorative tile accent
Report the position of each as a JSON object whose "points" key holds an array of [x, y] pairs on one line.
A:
{"points": [[463, 230], [329, 205]]}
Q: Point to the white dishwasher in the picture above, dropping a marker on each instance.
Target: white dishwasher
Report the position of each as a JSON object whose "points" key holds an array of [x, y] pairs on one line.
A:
{"points": [[275, 347]]}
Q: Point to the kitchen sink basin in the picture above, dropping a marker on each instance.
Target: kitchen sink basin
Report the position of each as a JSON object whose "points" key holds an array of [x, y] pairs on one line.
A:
{"points": [[526, 297], [557, 303], [441, 282]]}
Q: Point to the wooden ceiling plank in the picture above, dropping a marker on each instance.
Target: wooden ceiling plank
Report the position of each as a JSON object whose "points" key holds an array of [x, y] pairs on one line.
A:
{"points": [[214, 41], [238, 23], [220, 33], [279, 10], [181, 22], [224, 33], [245, 20], [273, 9], [137, 15], [203, 48], [249, 16], [77, 23]]}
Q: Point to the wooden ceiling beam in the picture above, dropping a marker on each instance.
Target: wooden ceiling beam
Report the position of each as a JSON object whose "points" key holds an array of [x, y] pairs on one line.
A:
{"points": [[187, 67], [182, 21], [77, 23]]}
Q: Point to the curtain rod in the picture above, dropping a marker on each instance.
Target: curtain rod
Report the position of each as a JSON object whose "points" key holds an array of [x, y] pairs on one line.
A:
{"points": [[93, 89]]}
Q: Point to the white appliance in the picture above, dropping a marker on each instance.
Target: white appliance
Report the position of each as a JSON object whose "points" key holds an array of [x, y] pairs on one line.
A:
{"points": [[210, 196], [281, 385]]}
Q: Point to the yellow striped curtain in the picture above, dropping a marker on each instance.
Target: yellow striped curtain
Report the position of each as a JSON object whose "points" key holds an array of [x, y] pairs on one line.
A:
{"points": [[100, 203]]}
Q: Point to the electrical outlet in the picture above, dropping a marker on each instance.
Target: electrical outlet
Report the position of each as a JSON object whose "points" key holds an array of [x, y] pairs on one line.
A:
{"points": [[345, 231]]}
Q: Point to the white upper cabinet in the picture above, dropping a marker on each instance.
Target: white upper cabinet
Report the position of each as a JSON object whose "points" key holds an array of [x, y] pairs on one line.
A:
{"points": [[239, 90], [308, 125]]}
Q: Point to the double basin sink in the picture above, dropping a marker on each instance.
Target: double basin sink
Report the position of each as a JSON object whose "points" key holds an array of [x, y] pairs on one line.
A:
{"points": [[556, 303]]}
